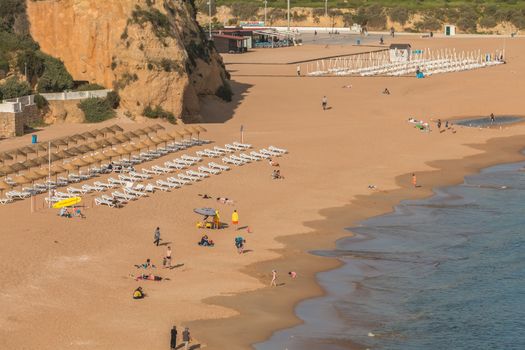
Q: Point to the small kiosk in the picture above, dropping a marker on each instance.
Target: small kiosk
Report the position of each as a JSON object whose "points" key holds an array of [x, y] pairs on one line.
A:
{"points": [[400, 52], [450, 30]]}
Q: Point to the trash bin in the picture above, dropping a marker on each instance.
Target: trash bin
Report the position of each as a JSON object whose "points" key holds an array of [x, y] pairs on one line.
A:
{"points": [[358, 41], [34, 139]]}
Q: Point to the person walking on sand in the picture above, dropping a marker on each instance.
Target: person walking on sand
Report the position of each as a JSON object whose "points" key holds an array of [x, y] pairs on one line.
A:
{"points": [[156, 236], [324, 103], [235, 218], [168, 257], [492, 118], [173, 340], [273, 283], [414, 180], [298, 71], [186, 338]]}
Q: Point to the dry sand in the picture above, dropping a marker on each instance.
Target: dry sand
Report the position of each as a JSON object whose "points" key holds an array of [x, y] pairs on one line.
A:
{"points": [[65, 282]]}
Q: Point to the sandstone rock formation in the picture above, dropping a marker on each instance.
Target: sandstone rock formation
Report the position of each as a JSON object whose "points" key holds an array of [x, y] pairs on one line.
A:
{"points": [[152, 51]]}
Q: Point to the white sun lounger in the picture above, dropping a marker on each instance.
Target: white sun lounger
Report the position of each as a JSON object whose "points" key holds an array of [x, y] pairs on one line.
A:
{"points": [[178, 181], [175, 165], [234, 157], [17, 194], [167, 184], [269, 153], [260, 155], [214, 165], [189, 177], [278, 150], [197, 174], [5, 201], [135, 193], [159, 168], [233, 147], [102, 184], [209, 170], [242, 145], [93, 187], [114, 181], [151, 171], [190, 158], [130, 178], [154, 187], [231, 161], [139, 175], [206, 153], [248, 157], [125, 196], [183, 162], [224, 150], [76, 191]]}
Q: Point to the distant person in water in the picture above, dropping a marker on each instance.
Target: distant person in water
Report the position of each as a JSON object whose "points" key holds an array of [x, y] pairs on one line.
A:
{"points": [[492, 118]]}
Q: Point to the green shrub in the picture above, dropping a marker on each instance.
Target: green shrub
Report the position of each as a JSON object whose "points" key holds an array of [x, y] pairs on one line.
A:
{"points": [[90, 87], [245, 11], [96, 109], [55, 77], [32, 61], [41, 101], [159, 113], [160, 23], [399, 15], [14, 88], [113, 99], [225, 92]]}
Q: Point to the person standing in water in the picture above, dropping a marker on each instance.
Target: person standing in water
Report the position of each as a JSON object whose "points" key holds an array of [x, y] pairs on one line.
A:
{"points": [[414, 180], [492, 118]]}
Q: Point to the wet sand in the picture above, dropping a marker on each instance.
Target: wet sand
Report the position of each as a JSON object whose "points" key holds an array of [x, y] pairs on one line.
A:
{"points": [[66, 282]]}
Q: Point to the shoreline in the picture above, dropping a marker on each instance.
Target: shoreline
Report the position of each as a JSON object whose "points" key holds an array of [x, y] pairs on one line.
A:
{"points": [[280, 313]]}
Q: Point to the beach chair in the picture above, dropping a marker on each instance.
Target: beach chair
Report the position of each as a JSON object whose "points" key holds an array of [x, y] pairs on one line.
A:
{"points": [[62, 195], [93, 188], [163, 183], [52, 199], [180, 145], [260, 155], [183, 162], [223, 150], [73, 178], [231, 161], [5, 201], [104, 201], [129, 178], [278, 150], [190, 158], [209, 170], [205, 153], [139, 175], [269, 153], [151, 171], [238, 159], [189, 177], [125, 196], [103, 185], [233, 147], [17, 194], [174, 165], [214, 165], [162, 169], [242, 145], [134, 192], [197, 174], [76, 191], [158, 187], [114, 181], [178, 181], [249, 157]]}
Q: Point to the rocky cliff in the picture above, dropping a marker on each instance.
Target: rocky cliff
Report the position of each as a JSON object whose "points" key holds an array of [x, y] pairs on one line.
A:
{"points": [[152, 51]]}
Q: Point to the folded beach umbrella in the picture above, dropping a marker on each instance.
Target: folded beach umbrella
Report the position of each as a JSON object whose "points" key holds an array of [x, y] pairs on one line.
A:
{"points": [[116, 128]]}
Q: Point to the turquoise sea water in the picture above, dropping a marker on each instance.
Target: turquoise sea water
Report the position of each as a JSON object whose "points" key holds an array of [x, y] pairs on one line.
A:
{"points": [[442, 273]]}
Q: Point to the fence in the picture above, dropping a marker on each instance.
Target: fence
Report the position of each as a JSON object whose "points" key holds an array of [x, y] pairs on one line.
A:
{"points": [[16, 105]]}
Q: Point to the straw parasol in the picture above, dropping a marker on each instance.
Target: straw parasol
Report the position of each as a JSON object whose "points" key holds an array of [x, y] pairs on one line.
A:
{"points": [[39, 147], [157, 127], [33, 176], [4, 186], [28, 150], [122, 138], [175, 134], [80, 162], [4, 156], [17, 152], [111, 153], [165, 137], [140, 132], [84, 149], [45, 159], [74, 151], [93, 146], [140, 145], [59, 142], [78, 137], [69, 167], [97, 133], [148, 142], [121, 151], [18, 166], [103, 143], [21, 180], [202, 129], [87, 135], [156, 140], [100, 157], [69, 139], [30, 163], [131, 135], [106, 131], [7, 169], [65, 154], [149, 130], [116, 128]]}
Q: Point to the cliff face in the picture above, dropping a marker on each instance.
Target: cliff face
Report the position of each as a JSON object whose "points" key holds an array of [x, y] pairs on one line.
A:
{"points": [[152, 51]]}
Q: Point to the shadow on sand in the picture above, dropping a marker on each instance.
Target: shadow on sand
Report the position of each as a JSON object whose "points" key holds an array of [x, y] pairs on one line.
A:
{"points": [[215, 110]]}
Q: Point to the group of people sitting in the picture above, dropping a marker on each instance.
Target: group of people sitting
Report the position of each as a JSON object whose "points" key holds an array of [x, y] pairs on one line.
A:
{"points": [[206, 242], [66, 213], [276, 174]]}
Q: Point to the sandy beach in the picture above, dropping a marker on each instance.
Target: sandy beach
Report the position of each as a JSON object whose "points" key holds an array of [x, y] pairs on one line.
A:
{"points": [[66, 282]]}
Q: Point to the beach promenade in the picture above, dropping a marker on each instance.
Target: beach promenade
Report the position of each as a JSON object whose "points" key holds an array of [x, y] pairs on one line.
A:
{"points": [[66, 283]]}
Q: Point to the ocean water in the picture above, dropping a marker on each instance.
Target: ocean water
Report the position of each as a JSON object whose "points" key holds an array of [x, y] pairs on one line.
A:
{"points": [[447, 272]]}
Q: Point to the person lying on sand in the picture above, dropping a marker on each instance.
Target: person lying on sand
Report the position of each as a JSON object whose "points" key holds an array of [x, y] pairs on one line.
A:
{"points": [[347, 86], [206, 242], [138, 293], [149, 277], [204, 196], [272, 162], [146, 265], [225, 200], [64, 212]]}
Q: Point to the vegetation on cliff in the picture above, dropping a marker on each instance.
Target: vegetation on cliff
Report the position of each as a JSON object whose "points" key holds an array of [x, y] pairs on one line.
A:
{"points": [[469, 16], [96, 109], [20, 55]]}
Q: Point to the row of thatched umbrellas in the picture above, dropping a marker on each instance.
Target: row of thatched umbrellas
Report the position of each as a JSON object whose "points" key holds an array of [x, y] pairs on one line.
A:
{"points": [[97, 156]]}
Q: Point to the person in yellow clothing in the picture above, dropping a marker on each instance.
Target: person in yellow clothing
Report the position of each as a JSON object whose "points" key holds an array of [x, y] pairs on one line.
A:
{"points": [[235, 217], [217, 220]]}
